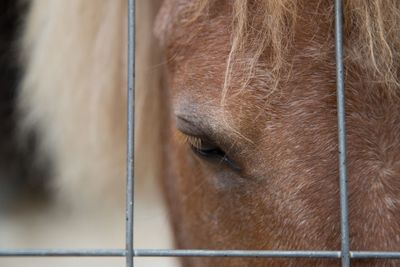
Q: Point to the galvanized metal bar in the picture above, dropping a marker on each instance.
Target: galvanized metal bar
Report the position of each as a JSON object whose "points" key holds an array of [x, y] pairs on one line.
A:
{"points": [[167, 253], [62, 252], [340, 94], [375, 255], [130, 135], [196, 253], [237, 253]]}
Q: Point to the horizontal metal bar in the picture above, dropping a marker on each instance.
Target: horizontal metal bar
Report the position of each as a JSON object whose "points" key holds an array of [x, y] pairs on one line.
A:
{"points": [[237, 253], [196, 253], [62, 252], [166, 253], [374, 255]]}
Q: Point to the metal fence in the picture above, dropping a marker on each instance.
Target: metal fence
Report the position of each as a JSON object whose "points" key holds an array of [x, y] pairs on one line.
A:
{"points": [[345, 254]]}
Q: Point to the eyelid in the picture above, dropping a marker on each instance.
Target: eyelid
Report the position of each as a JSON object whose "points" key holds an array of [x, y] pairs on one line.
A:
{"points": [[189, 128]]}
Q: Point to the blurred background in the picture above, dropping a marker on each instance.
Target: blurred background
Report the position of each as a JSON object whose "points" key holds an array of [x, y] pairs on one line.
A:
{"points": [[62, 126]]}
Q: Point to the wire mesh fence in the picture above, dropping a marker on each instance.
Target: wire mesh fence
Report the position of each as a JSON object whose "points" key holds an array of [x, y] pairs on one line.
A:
{"points": [[129, 252]]}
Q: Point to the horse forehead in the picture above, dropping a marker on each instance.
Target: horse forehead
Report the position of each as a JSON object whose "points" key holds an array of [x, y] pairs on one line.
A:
{"points": [[200, 51], [199, 81], [197, 55]]}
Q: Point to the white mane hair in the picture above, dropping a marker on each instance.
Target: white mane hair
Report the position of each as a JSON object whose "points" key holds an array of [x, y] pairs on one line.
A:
{"points": [[73, 95]]}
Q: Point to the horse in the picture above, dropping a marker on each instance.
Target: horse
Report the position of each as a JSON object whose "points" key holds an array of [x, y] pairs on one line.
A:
{"points": [[250, 131], [236, 118]]}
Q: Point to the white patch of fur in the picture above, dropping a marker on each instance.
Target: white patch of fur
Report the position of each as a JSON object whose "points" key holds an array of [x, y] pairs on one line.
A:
{"points": [[73, 95]]}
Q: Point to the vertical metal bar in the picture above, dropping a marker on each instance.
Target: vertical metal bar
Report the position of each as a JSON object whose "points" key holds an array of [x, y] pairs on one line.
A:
{"points": [[345, 254], [130, 134]]}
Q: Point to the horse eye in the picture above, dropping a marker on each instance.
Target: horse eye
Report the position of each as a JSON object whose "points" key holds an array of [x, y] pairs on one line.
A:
{"points": [[210, 151]]}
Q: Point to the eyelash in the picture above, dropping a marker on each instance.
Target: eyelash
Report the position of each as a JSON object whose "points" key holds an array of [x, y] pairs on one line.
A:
{"points": [[193, 141]]}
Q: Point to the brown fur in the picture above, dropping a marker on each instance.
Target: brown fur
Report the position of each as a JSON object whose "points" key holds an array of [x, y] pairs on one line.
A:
{"points": [[281, 98]]}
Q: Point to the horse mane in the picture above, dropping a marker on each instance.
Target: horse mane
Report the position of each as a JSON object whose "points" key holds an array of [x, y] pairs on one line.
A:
{"points": [[371, 34], [73, 96]]}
